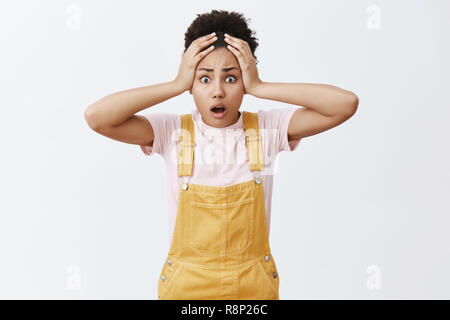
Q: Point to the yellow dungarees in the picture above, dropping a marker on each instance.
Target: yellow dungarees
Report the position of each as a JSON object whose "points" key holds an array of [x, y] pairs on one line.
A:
{"points": [[220, 247]]}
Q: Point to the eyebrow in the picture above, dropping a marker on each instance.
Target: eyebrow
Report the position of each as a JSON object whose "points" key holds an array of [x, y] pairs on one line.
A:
{"points": [[224, 69]]}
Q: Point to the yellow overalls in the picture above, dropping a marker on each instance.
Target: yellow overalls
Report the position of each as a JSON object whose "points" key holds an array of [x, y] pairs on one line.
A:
{"points": [[220, 247]]}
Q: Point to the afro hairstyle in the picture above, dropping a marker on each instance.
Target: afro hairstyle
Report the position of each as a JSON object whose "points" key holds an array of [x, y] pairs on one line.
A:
{"points": [[221, 21]]}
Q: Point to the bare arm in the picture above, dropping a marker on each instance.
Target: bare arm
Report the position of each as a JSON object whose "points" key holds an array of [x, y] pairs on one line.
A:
{"points": [[326, 106], [114, 115]]}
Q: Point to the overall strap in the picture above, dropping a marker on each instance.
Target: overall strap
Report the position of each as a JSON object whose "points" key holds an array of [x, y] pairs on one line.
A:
{"points": [[186, 146], [253, 140]]}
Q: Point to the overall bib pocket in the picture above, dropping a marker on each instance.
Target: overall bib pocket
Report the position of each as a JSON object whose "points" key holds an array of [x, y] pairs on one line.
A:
{"points": [[221, 228]]}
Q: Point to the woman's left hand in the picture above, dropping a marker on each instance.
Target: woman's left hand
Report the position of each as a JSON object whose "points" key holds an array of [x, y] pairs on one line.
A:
{"points": [[247, 62]]}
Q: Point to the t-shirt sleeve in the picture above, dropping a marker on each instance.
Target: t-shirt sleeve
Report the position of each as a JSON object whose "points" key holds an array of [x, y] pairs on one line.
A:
{"points": [[277, 121], [164, 125]]}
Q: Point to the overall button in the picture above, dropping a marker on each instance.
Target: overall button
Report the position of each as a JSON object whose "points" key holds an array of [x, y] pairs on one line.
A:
{"points": [[169, 262], [163, 278], [184, 186], [258, 180], [267, 258], [275, 274]]}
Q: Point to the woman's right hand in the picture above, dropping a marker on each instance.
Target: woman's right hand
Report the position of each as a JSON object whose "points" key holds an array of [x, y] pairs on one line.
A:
{"points": [[191, 58]]}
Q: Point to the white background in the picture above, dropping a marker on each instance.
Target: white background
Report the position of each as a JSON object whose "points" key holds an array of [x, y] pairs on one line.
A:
{"points": [[359, 212]]}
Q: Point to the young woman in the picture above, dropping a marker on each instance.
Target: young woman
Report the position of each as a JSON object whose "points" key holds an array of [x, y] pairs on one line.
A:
{"points": [[220, 199]]}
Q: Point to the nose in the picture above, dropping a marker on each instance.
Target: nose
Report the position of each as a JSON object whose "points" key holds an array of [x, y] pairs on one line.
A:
{"points": [[218, 90]]}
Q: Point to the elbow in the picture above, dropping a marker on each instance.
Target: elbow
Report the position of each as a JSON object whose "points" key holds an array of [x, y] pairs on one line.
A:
{"points": [[352, 104], [91, 118]]}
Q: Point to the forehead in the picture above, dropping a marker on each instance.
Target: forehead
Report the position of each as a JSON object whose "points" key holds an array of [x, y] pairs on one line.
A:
{"points": [[218, 59]]}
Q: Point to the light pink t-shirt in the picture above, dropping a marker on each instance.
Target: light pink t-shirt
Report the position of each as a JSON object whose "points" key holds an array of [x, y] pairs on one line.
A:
{"points": [[220, 154]]}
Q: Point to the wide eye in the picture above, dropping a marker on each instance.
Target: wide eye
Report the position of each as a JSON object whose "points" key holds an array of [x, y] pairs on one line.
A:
{"points": [[203, 77], [232, 77]]}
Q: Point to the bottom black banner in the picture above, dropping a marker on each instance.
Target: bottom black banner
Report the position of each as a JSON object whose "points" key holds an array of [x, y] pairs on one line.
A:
{"points": [[209, 309]]}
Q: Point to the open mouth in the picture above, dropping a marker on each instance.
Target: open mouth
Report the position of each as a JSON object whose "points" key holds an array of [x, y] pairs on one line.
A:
{"points": [[218, 111]]}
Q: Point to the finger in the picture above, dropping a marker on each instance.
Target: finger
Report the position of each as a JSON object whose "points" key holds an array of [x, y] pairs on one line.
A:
{"points": [[238, 53], [213, 39], [234, 39], [197, 43], [233, 50], [204, 43], [237, 45], [243, 52], [206, 37], [204, 53]]}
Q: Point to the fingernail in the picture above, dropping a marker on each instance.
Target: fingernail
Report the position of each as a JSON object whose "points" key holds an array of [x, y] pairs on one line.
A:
{"points": [[213, 33]]}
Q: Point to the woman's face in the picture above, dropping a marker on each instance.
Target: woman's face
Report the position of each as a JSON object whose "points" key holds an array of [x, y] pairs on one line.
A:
{"points": [[216, 85]]}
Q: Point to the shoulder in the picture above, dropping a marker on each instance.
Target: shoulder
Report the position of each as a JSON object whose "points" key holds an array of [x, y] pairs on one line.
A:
{"points": [[275, 118], [162, 118], [165, 127], [274, 124]]}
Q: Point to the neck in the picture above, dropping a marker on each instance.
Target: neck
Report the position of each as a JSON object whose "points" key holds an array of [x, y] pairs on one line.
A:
{"points": [[236, 119]]}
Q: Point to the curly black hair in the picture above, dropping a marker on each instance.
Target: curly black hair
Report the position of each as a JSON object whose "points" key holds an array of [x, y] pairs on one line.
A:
{"points": [[221, 21]]}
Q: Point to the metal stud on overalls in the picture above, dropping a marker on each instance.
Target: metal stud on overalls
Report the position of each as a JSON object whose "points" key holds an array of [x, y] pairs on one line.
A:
{"points": [[220, 246]]}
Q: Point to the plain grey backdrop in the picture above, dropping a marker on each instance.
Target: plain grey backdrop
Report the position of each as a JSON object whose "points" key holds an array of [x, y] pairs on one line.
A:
{"points": [[358, 212]]}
